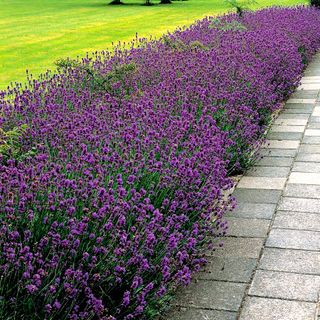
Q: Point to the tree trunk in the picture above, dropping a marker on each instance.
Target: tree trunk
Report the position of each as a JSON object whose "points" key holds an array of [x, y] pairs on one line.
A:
{"points": [[116, 2]]}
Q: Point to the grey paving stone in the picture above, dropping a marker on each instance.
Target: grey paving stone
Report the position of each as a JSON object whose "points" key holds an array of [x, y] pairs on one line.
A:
{"points": [[271, 172], [314, 125], [284, 135], [238, 247], [275, 309], [261, 183], [287, 260], [277, 128], [288, 153], [313, 73], [300, 204], [275, 162], [310, 80], [314, 119], [282, 144], [311, 140], [257, 196], [305, 106], [253, 210], [212, 295], [200, 314], [316, 111], [228, 269], [301, 94], [291, 122], [294, 239], [293, 116], [309, 86], [306, 167], [300, 100], [312, 132], [282, 285], [302, 190], [297, 220], [306, 110], [309, 148], [304, 178], [251, 228], [308, 157]]}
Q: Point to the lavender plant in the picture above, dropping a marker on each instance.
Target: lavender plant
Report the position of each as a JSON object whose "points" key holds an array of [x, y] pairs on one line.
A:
{"points": [[126, 190]]}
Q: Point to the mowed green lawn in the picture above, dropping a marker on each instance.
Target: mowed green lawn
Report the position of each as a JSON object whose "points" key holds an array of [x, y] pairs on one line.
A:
{"points": [[34, 33]]}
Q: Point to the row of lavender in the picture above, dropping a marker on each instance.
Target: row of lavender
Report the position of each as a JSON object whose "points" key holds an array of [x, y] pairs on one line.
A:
{"points": [[112, 182]]}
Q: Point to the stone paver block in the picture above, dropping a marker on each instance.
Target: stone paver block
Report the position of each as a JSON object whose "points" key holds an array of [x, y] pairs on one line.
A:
{"points": [[316, 112], [312, 132], [306, 167], [283, 153], [297, 100], [297, 220], [302, 190], [277, 128], [304, 110], [212, 295], [304, 178], [271, 172], [261, 183], [283, 285], [315, 78], [275, 162], [311, 140], [275, 309], [300, 204], [257, 195], [228, 269], [282, 144], [294, 239], [239, 247], [200, 314], [314, 125], [284, 135], [253, 210], [303, 116], [309, 86], [306, 106], [305, 94], [287, 260], [254, 228], [314, 119], [308, 157], [291, 122], [309, 148], [313, 73]]}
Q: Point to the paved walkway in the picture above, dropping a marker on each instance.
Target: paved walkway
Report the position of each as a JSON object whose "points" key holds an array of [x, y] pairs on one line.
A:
{"points": [[269, 268]]}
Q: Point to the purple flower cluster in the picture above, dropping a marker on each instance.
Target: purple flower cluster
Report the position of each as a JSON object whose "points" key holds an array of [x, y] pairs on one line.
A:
{"points": [[126, 189]]}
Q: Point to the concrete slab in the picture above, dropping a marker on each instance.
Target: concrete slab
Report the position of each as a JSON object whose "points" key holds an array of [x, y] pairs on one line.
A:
{"points": [[261, 183], [275, 309]]}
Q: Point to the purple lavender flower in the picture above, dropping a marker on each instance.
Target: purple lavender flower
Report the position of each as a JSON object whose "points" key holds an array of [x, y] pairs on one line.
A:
{"points": [[134, 151]]}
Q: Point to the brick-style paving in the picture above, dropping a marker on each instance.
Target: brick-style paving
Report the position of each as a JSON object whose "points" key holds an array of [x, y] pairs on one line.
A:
{"points": [[269, 267]]}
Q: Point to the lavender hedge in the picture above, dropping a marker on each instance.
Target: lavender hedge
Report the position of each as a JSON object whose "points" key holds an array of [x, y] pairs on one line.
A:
{"points": [[113, 171]]}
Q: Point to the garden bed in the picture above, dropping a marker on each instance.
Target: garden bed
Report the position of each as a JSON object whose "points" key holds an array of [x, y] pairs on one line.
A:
{"points": [[113, 171]]}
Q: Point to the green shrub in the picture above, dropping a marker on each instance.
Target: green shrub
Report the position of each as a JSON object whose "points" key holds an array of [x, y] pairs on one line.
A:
{"points": [[233, 25], [96, 80], [240, 7], [11, 146]]}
